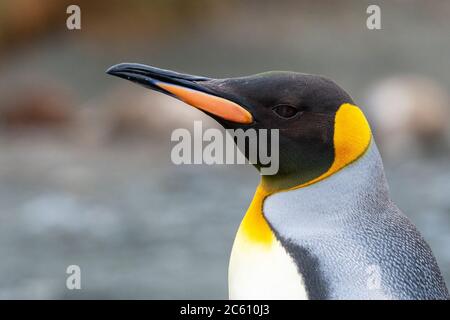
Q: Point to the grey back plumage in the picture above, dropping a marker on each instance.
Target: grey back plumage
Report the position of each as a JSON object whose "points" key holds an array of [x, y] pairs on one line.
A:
{"points": [[350, 241]]}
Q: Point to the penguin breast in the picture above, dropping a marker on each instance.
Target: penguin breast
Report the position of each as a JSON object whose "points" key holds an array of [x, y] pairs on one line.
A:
{"points": [[263, 271]]}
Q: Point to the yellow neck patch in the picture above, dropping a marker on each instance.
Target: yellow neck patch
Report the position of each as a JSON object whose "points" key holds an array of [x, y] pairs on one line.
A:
{"points": [[254, 226], [352, 136]]}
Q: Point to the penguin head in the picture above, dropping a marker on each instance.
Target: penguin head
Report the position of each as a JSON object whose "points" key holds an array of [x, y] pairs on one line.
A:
{"points": [[320, 129]]}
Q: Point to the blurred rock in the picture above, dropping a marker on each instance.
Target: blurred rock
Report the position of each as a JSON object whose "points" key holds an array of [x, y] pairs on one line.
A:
{"points": [[410, 114], [24, 21], [39, 106]]}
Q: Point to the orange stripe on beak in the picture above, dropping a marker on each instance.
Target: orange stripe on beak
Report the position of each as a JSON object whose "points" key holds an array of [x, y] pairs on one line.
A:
{"points": [[218, 106]]}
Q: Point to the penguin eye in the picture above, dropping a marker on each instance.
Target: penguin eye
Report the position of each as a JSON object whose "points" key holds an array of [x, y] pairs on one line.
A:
{"points": [[285, 111]]}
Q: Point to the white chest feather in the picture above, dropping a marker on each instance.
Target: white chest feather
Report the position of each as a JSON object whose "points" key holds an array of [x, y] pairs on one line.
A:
{"points": [[263, 272]]}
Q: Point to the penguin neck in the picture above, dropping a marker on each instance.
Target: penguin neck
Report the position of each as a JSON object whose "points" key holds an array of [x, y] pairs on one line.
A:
{"points": [[337, 194], [345, 194]]}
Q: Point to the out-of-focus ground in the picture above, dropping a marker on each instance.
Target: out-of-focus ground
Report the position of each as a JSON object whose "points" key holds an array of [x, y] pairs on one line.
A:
{"points": [[85, 170]]}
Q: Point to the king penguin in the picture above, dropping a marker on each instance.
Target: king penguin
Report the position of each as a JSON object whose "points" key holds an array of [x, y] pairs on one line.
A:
{"points": [[323, 226]]}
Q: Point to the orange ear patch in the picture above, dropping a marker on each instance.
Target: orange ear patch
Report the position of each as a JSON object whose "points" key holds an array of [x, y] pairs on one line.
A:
{"points": [[218, 106], [352, 136]]}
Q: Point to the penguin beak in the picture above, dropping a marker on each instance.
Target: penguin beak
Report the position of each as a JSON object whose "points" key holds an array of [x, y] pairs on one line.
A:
{"points": [[193, 90]]}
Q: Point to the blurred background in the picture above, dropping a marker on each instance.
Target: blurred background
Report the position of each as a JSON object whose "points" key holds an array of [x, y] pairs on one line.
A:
{"points": [[85, 170]]}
